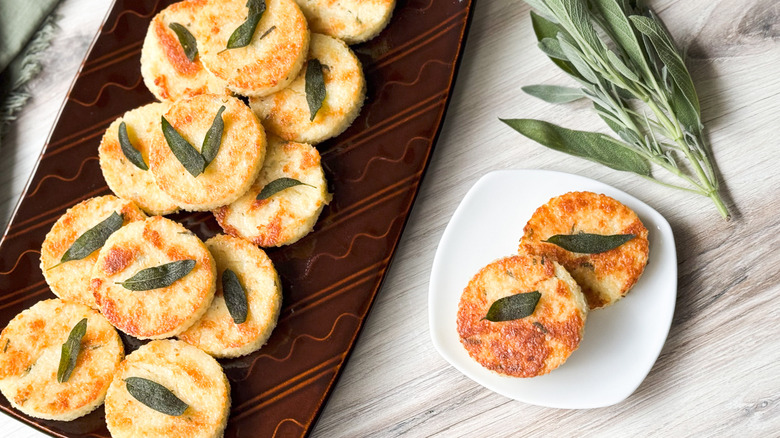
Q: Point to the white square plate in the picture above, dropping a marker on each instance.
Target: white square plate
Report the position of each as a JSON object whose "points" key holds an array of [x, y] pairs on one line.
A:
{"points": [[621, 342]]}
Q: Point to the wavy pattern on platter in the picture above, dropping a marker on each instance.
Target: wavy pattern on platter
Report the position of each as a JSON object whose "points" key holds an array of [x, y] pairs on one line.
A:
{"points": [[102, 89], [62, 178]]}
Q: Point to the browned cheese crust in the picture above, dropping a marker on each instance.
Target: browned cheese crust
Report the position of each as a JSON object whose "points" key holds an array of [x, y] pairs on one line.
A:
{"points": [[166, 70], [156, 313], [30, 350], [605, 277], [274, 55], [70, 280], [531, 346]]}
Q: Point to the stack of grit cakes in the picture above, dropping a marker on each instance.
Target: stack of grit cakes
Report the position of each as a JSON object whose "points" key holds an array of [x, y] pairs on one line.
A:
{"points": [[246, 90]]}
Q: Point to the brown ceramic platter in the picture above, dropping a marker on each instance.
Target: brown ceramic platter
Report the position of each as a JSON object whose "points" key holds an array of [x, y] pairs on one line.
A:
{"points": [[331, 277]]}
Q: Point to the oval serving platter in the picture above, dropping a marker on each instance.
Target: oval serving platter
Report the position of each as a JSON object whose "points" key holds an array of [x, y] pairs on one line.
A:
{"points": [[331, 277]]}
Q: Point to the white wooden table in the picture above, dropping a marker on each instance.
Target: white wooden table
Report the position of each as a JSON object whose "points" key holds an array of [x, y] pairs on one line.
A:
{"points": [[719, 372]]}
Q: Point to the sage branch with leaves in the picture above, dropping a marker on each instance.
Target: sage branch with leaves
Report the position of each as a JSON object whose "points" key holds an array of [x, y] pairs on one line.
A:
{"points": [[627, 64]]}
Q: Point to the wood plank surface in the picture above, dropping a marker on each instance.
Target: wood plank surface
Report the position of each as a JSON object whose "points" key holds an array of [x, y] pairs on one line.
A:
{"points": [[719, 371]]}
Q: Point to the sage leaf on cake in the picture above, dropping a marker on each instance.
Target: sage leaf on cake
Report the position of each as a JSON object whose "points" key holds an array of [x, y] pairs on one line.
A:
{"points": [[155, 396], [242, 36], [513, 307], [315, 87], [277, 186], [625, 62], [187, 41], [93, 238], [213, 138], [69, 352], [131, 153], [158, 277], [235, 296], [188, 156], [587, 243]]}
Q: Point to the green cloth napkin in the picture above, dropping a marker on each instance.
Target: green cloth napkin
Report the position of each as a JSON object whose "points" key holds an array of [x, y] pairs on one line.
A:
{"points": [[18, 22]]}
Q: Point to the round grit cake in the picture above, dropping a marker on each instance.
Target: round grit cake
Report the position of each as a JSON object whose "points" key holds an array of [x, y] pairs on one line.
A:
{"points": [[166, 70], [126, 179], [353, 21], [531, 346], [274, 55], [288, 215], [156, 313], [190, 374], [605, 277], [70, 280], [216, 333], [286, 113], [235, 166], [30, 351]]}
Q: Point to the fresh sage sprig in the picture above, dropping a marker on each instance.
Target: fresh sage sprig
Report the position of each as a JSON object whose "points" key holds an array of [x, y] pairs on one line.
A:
{"points": [[587, 243], [195, 162], [158, 277], [315, 87], [70, 351], [93, 238], [278, 185], [242, 36], [155, 396], [187, 41], [626, 63], [133, 155], [513, 307], [235, 296]]}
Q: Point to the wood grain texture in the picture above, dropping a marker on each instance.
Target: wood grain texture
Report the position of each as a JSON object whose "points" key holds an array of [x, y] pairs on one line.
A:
{"points": [[718, 372]]}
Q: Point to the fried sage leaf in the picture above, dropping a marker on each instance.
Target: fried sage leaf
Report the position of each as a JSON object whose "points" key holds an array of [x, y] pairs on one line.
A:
{"points": [[132, 154], [156, 396], [586, 243], [242, 36], [70, 351], [187, 155], [278, 185], [186, 40], [235, 296], [93, 238], [157, 277], [315, 87], [213, 138], [513, 307]]}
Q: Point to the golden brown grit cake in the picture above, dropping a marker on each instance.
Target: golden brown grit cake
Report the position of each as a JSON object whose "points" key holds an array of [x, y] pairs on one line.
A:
{"points": [[30, 351], [286, 113], [353, 21], [604, 277], [190, 374], [166, 70], [531, 346], [232, 171], [272, 58], [160, 312], [123, 177], [216, 332], [288, 215], [70, 280]]}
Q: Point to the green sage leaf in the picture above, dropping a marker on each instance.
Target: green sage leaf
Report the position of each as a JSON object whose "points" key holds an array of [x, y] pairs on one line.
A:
{"points": [[586, 243], [213, 138], [235, 296], [576, 59], [554, 93], [93, 238], [621, 66], [157, 277], [133, 155], [186, 40], [315, 87], [187, 155], [573, 16], [547, 30], [513, 307], [552, 48], [70, 351], [617, 22], [593, 146], [242, 36], [155, 396], [278, 185]]}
